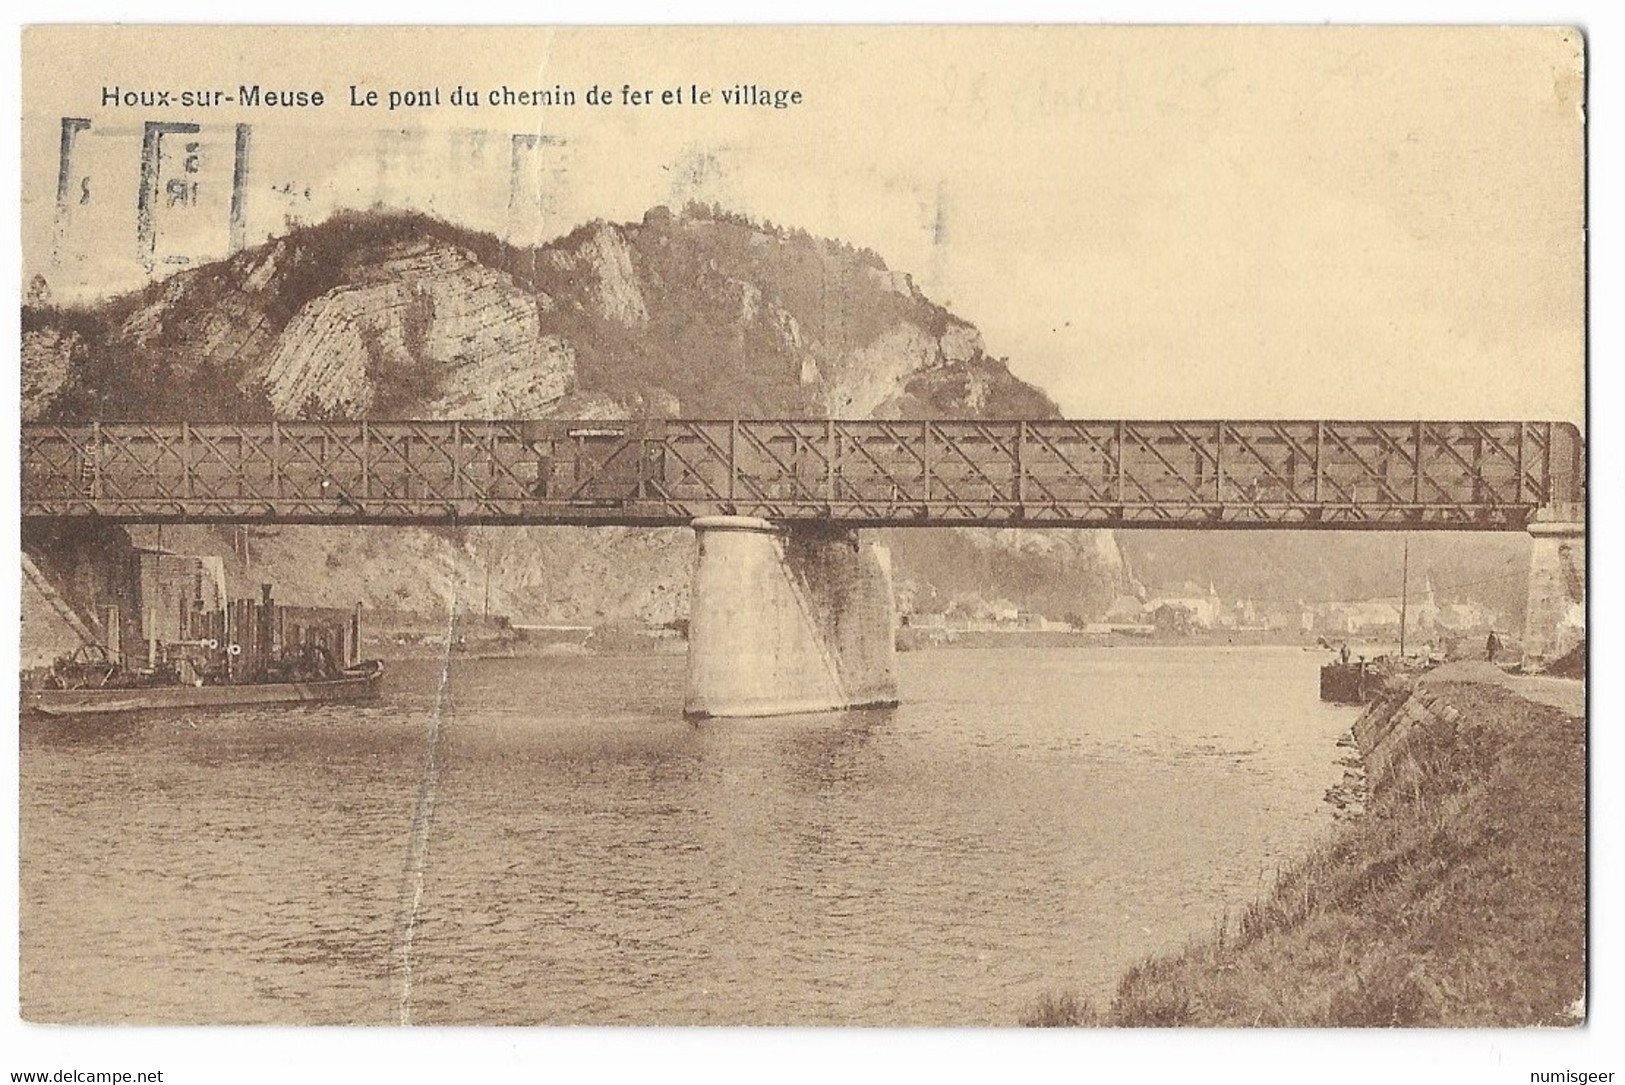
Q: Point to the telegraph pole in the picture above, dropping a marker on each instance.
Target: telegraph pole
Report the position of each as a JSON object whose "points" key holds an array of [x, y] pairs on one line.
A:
{"points": [[1404, 593]]}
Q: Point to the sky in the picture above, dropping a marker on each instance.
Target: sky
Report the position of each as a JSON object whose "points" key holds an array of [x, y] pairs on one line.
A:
{"points": [[1147, 222]]}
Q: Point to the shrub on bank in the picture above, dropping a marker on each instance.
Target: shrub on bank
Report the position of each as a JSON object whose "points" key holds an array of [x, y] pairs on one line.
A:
{"points": [[1061, 1010]]}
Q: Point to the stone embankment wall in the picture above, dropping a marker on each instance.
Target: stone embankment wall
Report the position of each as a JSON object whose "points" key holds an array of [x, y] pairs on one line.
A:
{"points": [[1386, 727]]}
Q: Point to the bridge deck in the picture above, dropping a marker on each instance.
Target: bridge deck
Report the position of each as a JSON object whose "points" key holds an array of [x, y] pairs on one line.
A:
{"points": [[1190, 474]]}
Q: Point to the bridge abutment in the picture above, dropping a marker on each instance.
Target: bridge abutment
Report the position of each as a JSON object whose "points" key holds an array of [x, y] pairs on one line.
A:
{"points": [[83, 586], [1554, 621], [788, 620]]}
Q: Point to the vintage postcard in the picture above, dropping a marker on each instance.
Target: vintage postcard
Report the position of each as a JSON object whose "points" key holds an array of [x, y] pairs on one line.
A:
{"points": [[894, 526]]}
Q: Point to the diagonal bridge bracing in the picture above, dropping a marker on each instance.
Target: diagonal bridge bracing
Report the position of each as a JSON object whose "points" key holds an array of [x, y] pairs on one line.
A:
{"points": [[1339, 475]]}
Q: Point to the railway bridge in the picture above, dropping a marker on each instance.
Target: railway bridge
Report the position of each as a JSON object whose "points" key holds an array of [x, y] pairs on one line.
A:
{"points": [[791, 611]]}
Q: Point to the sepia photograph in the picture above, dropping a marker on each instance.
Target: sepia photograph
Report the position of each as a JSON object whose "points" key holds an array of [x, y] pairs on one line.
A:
{"points": [[894, 526]]}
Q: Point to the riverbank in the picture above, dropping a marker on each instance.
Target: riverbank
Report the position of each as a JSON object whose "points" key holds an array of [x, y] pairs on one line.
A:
{"points": [[420, 637], [924, 638], [1457, 898]]}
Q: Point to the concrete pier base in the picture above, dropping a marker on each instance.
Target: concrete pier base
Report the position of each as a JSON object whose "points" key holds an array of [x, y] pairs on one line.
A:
{"points": [[1555, 619], [787, 621]]}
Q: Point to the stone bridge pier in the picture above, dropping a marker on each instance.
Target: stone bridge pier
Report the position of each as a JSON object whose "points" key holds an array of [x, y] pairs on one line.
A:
{"points": [[788, 620], [1555, 620]]}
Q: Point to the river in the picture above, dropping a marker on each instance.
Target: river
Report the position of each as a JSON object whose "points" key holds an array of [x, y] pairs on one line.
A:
{"points": [[546, 841]]}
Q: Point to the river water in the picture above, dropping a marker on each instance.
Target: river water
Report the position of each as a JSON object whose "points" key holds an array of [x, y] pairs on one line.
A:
{"points": [[546, 841]]}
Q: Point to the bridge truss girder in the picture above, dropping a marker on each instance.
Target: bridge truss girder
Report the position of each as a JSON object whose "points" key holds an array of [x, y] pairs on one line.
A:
{"points": [[1445, 475]]}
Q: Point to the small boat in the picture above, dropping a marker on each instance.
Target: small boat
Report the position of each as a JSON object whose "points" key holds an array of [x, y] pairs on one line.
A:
{"points": [[1358, 681], [86, 686], [1363, 681], [1354, 682]]}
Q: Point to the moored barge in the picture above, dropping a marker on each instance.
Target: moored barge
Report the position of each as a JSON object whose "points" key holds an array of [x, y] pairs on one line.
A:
{"points": [[247, 652]]}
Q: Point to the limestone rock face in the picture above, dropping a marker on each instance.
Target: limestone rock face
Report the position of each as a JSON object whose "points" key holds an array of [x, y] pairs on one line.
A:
{"points": [[880, 379], [47, 364], [861, 382], [789, 329], [606, 261], [492, 386], [961, 343], [321, 359], [546, 575], [195, 327], [896, 282], [431, 323]]}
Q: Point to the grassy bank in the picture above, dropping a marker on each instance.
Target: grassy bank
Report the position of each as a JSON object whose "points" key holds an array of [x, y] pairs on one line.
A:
{"points": [[1457, 899]]}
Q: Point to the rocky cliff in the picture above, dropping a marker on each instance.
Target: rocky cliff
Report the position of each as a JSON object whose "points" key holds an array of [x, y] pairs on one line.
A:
{"points": [[700, 313]]}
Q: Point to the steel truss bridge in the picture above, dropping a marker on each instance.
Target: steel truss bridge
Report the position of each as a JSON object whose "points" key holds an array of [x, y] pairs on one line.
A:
{"points": [[871, 473]]}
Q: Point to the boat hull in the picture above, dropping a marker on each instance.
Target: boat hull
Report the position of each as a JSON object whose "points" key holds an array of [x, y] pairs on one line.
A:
{"points": [[1363, 682], [81, 702], [1349, 683]]}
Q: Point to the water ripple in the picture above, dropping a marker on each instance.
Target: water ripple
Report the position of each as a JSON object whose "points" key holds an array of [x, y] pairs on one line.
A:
{"points": [[595, 859]]}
